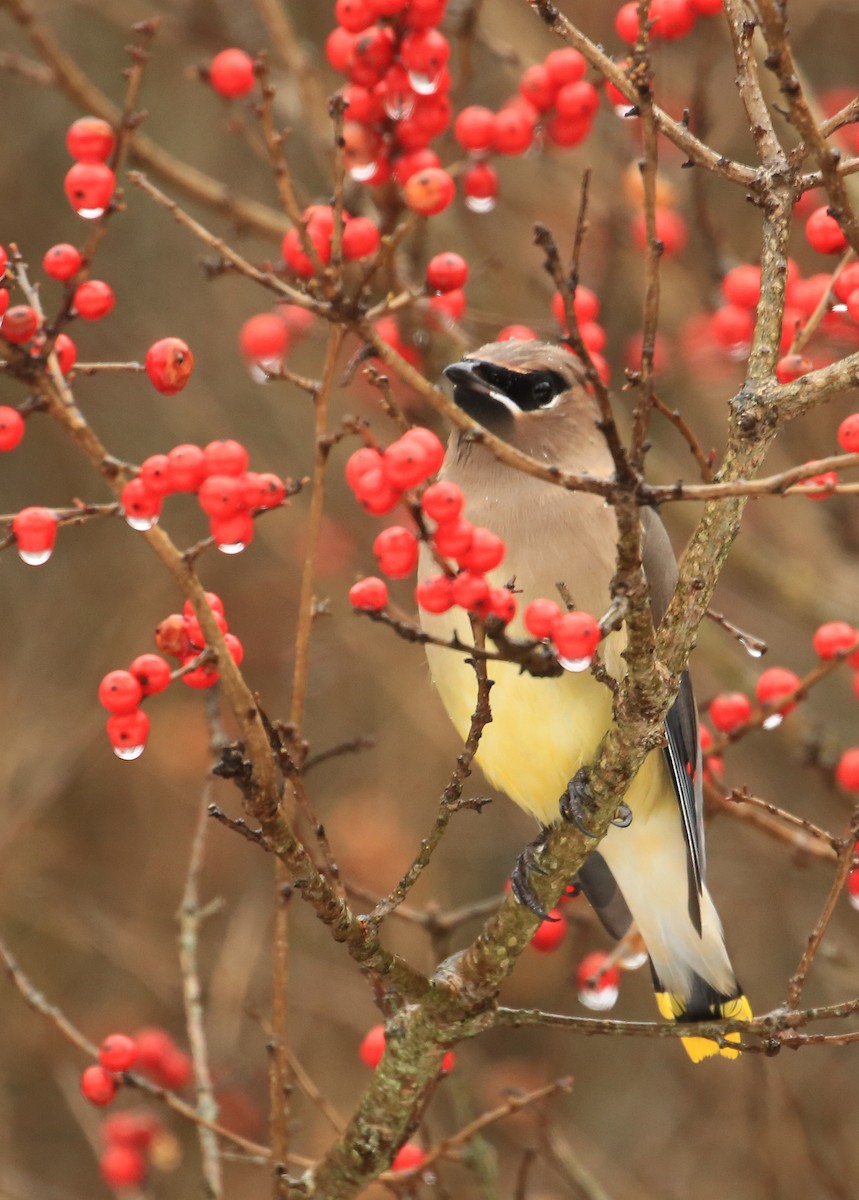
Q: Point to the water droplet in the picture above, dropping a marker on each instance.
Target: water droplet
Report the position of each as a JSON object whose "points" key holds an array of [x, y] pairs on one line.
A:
{"points": [[399, 105], [740, 351], [480, 204], [141, 524], [854, 900], [575, 664], [231, 547], [91, 214], [34, 558], [364, 172], [839, 308], [632, 960], [128, 753], [599, 999], [773, 720], [424, 85], [753, 651]]}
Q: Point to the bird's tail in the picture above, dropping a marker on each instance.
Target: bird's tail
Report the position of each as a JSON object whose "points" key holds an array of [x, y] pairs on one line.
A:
{"points": [[705, 1004]]}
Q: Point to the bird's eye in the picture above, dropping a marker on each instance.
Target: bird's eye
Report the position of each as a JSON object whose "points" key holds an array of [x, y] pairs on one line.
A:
{"points": [[541, 392]]}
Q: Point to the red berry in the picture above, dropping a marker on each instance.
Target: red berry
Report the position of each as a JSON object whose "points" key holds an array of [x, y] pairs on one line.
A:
{"points": [[372, 55], [93, 299], [152, 673], [127, 733], [98, 1085], [169, 363], [424, 52], [200, 677], [406, 463], [730, 710], [154, 1045], [4, 301], [227, 457], [339, 47], [537, 87], [89, 188], [272, 490], [142, 508], [90, 139], [434, 594], [773, 684], [360, 462], [540, 617], [35, 531], [431, 443], [408, 1157], [361, 238], [372, 1047], [221, 496], [375, 493], [130, 1129], [66, 352], [586, 305], [120, 692], [626, 22], [235, 647], [565, 66], [832, 638], [293, 251], [516, 333], [499, 603], [264, 338], [576, 635], [19, 324], [514, 131], [823, 232], [672, 18], [550, 933], [429, 192], [118, 1052], [577, 101], [485, 551], [469, 589], [155, 474], [442, 502], [822, 485], [187, 467], [847, 282], [453, 537], [231, 73], [480, 187], [354, 15], [422, 13], [12, 428], [447, 271], [847, 770], [397, 551], [122, 1166], [596, 983], [671, 231], [791, 367], [742, 286], [370, 594], [62, 262], [848, 434], [732, 327], [4, 259]]}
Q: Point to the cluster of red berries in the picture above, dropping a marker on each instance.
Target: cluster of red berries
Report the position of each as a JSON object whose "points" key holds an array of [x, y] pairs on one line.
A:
{"points": [[151, 1051], [586, 307], [361, 238], [668, 19], [128, 1139], [122, 692], [228, 493], [90, 183]]}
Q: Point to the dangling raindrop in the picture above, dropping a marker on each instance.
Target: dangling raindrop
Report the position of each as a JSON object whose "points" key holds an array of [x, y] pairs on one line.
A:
{"points": [[91, 214], [752, 649], [34, 558], [632, 959], [600, 998], [364, 172], [773, 720], [129, 753], [480, 204], [141, 524], [231, 547], [399, 106], [575, 664], [423, 84]]}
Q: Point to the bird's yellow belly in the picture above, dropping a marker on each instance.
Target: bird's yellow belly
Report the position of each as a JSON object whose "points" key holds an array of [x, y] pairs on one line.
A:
{"points": [[542, 730]]}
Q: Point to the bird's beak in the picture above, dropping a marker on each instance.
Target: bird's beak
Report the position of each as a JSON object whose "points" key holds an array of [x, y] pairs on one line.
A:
{"points": [[475, 388]]}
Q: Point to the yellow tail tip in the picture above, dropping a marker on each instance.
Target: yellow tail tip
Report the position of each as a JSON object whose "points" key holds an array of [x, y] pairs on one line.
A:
{"points": [[698, 1048]]}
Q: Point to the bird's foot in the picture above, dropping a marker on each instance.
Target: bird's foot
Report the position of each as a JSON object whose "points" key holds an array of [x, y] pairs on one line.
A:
{"points": [[577, 804], [528, 864]]}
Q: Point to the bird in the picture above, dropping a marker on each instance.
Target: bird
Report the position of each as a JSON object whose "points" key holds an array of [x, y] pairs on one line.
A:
{"points": [[534, 396]]}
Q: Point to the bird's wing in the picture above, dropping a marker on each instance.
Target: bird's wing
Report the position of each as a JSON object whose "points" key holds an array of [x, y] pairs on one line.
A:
{"points": [[683, 752]]}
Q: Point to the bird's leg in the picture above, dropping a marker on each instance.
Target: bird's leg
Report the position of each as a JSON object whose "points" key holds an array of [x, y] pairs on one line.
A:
{"points": [[528, 863], [577, 801]]}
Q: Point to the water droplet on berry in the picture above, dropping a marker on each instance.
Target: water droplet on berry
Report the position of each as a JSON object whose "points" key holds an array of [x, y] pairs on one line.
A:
{"points": [[91, 214], [262, 370], [399, 106], [773, 720], [128, 753], [424, 85], [854, 900], [363, 172], [231, 547], [34, 558], [599, 999], [575, 664], [480, 204], [632, 960], [141, 524]]}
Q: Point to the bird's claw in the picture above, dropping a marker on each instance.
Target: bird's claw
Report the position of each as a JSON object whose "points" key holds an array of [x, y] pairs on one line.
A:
{"points": [[528, 864], [577, 801]]}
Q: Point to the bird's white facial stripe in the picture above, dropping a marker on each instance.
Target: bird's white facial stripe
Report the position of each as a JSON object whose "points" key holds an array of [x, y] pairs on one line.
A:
{"points": [[509, 404]]}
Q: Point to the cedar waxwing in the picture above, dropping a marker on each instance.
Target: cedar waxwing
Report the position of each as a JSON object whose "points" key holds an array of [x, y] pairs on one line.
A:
{"points": [[543, 730]]}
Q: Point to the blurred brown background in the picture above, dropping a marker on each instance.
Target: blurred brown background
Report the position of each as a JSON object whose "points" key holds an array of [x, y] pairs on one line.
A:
{"points": [[93, 851]]}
